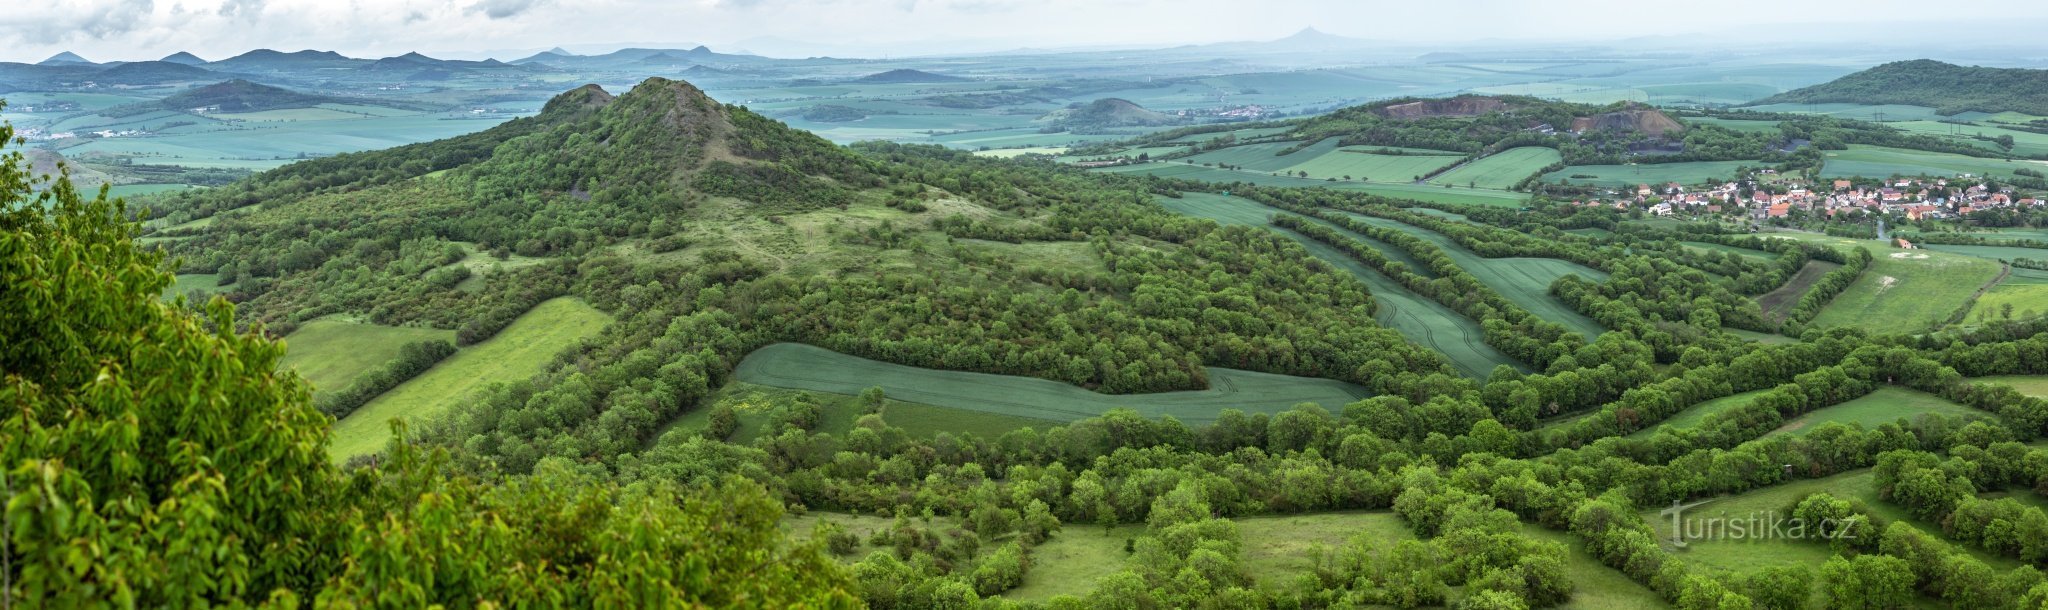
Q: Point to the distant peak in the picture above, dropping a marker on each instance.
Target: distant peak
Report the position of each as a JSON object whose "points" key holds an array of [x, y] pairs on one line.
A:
{"points": [[66, 57], [559, 51]]}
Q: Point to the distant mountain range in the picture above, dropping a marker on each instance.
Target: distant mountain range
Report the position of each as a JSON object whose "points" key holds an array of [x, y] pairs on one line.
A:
{"points": [[1948, 88]]}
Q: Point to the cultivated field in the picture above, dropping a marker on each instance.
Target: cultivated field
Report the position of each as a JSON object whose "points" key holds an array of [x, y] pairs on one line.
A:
{"points": [[1525, 281], [1421, 319], [1656, 174], [1880, 162], [517, 352], [1362, 163], [1886, 405], [840, 411], [797, 366], [2026, 290], [1903, 291], [1437, 194], [1500, 170], [330, 353], [1778, 304]]}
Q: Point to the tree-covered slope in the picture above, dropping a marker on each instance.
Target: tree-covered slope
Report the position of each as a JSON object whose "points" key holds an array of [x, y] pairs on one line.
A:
{"points": [[1948, 88]]}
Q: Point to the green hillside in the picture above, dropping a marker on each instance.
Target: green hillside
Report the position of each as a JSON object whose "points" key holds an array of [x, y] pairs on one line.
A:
{"points": [[1948, 88]]}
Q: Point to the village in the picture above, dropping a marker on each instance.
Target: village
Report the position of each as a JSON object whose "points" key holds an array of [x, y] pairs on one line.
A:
{"points": [[1910, 198]]}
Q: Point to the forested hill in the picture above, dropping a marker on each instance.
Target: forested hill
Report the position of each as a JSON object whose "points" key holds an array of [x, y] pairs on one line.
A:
{"points": [[1948, 88]]}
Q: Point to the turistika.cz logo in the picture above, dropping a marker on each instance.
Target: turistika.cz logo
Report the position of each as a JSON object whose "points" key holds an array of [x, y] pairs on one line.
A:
{"points": [[1760, 525]]}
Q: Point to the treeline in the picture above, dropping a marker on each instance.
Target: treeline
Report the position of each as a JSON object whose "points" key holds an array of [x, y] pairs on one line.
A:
{"points": [[413, 358], [1824, 291]]}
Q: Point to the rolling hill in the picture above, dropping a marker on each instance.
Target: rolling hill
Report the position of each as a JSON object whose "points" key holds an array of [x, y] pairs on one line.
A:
{"points": [[153, 73], [1109, 112], [243, 96], [1948, 88]]}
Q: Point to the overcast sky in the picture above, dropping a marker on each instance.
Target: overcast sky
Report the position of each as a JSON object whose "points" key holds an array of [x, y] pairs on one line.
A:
{"points": [[104, 30]]}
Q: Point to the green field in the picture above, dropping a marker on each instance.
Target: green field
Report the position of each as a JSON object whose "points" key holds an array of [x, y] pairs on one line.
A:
{"points": [[1714, 247], [2026, 290], [203, 285], [1500, 170], [1860, 112], [1524, 281], [1886, 405], [1693, 415], [840, 411], [1005, 153], [1880, 162], [2025, 143], [1908, 294], [331, 353], [1360, 163], [1735, 124], [1421, 319], [1436, 194], [1902, 291], [1655, 174], [1777, 304], [2031, 385], [798, 366], [517, 352]]}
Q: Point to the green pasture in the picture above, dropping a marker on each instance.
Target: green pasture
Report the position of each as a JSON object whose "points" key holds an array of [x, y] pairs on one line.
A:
{"points": [[1501, 170], [2025, 290], [1886, 405], [1693, 415], [754, 404], [517, 352], [1860, 112], [2031, 385], [330, 353], [1362, 163], [1739, 250], [1654, 174], [1421, 319], [1880, 162], [1435, 194], [1904, 292], [798, 366], [2025, 143], [1524, 281]]}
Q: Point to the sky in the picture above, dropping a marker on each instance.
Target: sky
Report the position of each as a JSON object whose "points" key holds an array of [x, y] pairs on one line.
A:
{"points": [[128, 30]]}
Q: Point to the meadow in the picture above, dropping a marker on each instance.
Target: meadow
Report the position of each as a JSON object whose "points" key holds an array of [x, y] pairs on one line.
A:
{"points": [[1419, 318], [1860, 112], [798, 366], [190, 284], [1902, 291], [1693, 415], [1714, 247], [1525, 281], [1880, 162], [330, 353], [1436, 194], [517, 352], [1621, 176], [2025, 143], [1361, 163], [2025, 290], [1885, 405], [1500, 170], [839, 412], [2031, 385]]}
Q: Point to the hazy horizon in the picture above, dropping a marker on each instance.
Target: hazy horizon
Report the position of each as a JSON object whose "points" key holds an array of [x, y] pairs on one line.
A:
{"points": [[136, 30]]}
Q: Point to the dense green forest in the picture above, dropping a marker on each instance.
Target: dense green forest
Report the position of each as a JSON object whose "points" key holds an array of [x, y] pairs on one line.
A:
{"points": [[157, 456], [1948, 88]]}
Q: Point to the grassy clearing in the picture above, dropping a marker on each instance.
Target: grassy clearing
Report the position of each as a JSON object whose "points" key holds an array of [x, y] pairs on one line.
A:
{"points": [[1363, 163], [797, 366], [519, 351], [2025, 290], [1879, 162], [1596, 586], [330, 353], [840, 411], [1765, 338], [1621, 176], [1886, 405], [2031, 385], [1905, 294], [1436, 194], [198, 285], [1778, 304], [1746, 555], [1693, 415], [1525, 281], [1714, 247], [1278, 547], [1420, 319], [1501, 170]]}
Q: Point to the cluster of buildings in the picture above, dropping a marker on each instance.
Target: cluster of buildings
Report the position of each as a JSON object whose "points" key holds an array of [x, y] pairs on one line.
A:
{"points": [[1914, 198]]}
